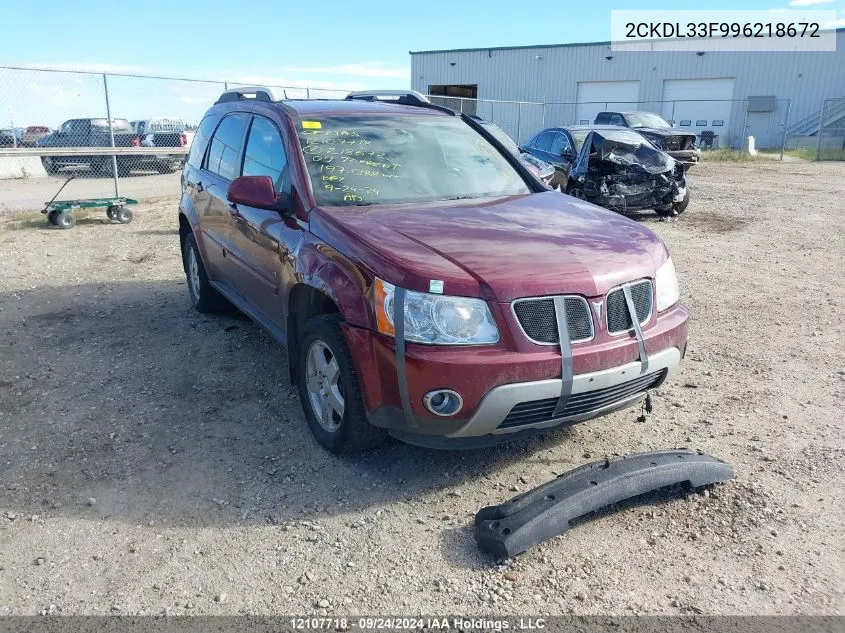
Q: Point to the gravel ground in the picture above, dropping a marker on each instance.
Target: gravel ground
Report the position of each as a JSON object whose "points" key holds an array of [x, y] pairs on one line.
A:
{"points": [[155, 460]]}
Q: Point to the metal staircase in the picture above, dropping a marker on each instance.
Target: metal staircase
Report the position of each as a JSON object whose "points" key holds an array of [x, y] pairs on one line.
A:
{"points": [[809, 125]]}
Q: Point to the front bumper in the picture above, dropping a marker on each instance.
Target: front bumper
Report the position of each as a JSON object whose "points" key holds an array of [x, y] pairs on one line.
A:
{"points": [[494, 380], [500, 401], [685, 156]]}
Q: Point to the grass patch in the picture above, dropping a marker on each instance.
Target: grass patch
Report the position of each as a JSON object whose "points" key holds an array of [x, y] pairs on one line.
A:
{"points": [[807, 153], [728, 155], [832, 154]]}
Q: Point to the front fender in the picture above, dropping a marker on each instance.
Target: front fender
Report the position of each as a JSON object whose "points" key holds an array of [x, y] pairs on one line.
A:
{"points": [[348, 285]]}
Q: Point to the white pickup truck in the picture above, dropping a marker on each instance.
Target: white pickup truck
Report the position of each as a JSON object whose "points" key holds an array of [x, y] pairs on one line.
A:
{"points": [[164, 132]]}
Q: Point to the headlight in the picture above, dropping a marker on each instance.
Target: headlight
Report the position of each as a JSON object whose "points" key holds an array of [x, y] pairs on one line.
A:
{"points": [[436, 319], [667, 286]]}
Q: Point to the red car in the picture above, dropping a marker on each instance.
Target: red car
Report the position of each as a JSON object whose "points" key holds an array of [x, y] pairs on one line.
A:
{"points": [[425, 283]]}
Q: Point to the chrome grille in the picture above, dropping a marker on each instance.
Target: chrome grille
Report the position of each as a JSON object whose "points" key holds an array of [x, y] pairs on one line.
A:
{"points": [[537, 411], [618, 319], [537, 318]]}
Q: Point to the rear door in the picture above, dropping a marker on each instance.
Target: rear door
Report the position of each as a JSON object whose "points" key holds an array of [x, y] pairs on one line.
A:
{"points": [[262, 239], [220, 167]]}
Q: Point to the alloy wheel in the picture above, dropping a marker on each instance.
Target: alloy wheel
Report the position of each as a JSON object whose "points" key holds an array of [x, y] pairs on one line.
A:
{"points": [[325, 386]]}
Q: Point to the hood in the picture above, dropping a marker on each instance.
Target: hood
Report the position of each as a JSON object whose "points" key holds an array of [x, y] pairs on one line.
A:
{"points": [[662, 132], [641, 155], [498, 249]]}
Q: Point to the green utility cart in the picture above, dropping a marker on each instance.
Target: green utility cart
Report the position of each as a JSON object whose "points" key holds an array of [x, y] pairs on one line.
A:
{"points": [[60, 212]]}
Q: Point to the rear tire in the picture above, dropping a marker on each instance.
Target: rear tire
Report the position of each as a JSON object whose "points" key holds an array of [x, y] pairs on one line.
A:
{"points": [[107, 167], [49, 165], [327, 382], [203, 295]]}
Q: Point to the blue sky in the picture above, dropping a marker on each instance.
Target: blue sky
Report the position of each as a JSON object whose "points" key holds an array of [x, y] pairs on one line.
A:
{"points": [[332, 43]]}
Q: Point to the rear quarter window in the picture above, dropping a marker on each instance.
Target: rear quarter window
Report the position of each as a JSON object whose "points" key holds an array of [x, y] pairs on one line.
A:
{"points": [[200, 141]]}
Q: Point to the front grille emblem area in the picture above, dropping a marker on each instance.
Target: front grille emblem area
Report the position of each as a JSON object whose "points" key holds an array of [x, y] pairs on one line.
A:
{"points": [[597, 309]]}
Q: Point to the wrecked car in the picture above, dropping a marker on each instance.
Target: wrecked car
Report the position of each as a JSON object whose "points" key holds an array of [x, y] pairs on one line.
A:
{"points": [[620, 170], [679, 144]]}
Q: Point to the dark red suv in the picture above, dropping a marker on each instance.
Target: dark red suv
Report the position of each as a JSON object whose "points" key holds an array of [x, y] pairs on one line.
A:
{"points": [[425, 283]]}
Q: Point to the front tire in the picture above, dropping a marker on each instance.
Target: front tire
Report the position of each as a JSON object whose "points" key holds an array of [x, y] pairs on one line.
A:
{"points": [[329, 389], [203, 295], [677, 208], [576, 191]]}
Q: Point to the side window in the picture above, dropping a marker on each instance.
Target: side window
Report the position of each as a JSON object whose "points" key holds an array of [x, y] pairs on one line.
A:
{"points": [[544, 141], [559, 144], [225, 151], [139, 129], [601, 118], [265, 154], [200, 140], [617, 119]]}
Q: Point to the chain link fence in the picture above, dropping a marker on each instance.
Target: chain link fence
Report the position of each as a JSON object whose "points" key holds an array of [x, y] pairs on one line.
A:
{"points": [[110, 131], [831, 137]]}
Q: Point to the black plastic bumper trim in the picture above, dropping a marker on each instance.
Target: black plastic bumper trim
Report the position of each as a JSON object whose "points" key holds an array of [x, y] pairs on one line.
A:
{"points": [[565, 355], [528, 519], [399, 340], [635, 320]]}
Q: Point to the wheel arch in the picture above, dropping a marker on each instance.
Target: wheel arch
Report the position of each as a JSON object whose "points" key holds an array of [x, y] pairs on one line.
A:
{"points": [[304, 303]]}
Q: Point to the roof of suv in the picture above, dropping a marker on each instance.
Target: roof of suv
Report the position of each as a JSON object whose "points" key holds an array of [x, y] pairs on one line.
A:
{"points": [[322, 107]]}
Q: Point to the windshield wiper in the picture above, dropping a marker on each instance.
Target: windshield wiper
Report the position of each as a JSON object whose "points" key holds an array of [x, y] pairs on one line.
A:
{"points": [[462, 197]]}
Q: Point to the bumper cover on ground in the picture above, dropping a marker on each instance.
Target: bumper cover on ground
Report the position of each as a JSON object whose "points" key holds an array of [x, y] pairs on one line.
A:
{"points": [[528, 519]]}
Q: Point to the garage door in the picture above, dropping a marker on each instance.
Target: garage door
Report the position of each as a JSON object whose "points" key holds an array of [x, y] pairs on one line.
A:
{"points": [[596, 96], [699, 104]]}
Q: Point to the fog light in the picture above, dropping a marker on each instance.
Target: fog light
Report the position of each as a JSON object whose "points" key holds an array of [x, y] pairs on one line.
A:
{"points": [[443, 402]]}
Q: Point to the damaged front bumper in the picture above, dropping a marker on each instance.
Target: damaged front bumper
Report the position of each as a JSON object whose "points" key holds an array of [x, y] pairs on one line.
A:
{"points": [[528, 519]]}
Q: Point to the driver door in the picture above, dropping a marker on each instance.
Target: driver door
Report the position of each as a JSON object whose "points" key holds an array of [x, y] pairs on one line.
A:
{"points": [[262, 239]]}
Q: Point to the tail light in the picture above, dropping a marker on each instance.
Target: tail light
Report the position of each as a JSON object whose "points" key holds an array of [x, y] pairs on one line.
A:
{"points": [[136, 141], [183, 139]]}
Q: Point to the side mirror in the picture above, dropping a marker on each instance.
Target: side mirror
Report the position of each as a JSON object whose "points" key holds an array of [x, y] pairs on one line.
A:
{"points": [[256, 191]]}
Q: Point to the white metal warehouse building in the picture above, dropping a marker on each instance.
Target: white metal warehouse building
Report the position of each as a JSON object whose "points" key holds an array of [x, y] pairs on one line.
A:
{"points": [[734, 93]]}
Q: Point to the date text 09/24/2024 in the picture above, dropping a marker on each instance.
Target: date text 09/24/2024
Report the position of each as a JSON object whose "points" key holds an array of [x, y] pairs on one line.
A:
{"points": [[416, 623]]}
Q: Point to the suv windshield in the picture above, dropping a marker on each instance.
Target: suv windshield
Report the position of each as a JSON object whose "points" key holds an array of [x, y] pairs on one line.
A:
{"points": [[499, 134], [645, 119], [359, 160]]}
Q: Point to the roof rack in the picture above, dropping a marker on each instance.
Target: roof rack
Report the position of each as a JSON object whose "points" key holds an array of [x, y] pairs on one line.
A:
{"points": [[400, 97], [257, 93], [405, 97]]}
